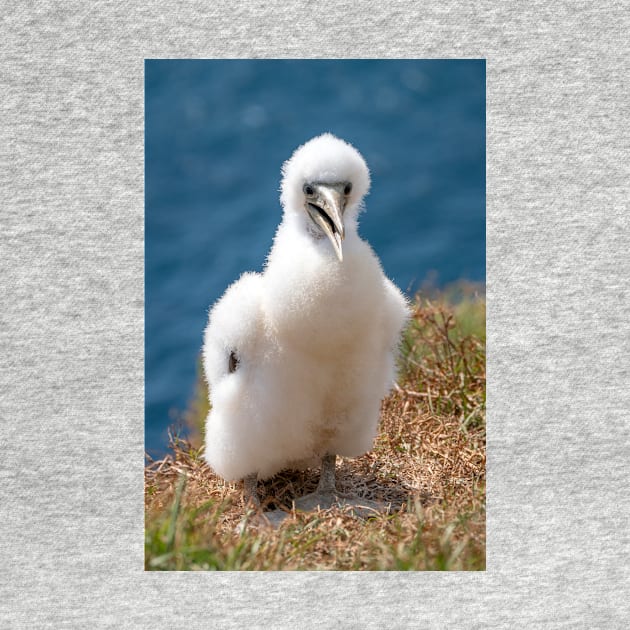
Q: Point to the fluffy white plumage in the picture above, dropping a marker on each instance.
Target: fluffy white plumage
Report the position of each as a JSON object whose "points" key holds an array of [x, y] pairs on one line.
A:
{"points": [[299, 357]]}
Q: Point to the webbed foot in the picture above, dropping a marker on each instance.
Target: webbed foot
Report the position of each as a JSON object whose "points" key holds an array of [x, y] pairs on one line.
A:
{"points": [[363, 508], [256, 520]]}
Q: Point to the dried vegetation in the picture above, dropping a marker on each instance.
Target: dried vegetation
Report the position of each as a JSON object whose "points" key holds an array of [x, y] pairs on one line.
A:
{"points": [[428, 464]]}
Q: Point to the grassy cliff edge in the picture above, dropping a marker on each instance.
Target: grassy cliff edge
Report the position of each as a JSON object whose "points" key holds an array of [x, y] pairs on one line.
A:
{"points": [[428, 464]]}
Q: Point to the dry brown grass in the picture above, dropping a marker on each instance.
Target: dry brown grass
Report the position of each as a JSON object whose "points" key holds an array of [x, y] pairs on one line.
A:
{"points": [[428, 464]]}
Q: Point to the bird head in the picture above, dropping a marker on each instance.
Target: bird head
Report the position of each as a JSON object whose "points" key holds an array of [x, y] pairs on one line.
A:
{"points": [[324, 183]]}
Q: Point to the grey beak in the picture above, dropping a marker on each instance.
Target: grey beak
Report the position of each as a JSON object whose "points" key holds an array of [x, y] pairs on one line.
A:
{"points": [[326, 210]]}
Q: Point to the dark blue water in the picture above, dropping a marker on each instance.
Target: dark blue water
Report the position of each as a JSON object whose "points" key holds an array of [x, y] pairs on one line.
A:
{"points": [[217, 133]]}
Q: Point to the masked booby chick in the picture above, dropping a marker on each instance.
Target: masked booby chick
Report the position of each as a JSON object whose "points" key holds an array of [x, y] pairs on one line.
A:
{"points": [[299, 357]]}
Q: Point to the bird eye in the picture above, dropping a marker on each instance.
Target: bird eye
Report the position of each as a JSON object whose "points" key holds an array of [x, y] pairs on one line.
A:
{"points": [[309, 191], [347, 189]]}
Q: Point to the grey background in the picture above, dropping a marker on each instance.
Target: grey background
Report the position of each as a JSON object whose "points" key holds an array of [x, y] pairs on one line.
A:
{"points": [[71, 366]]}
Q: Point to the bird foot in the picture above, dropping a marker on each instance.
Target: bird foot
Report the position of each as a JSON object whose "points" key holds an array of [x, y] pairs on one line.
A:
{"points": [[261, 520], [315, 501], [357, 506], [363, 508], [275, 518]]}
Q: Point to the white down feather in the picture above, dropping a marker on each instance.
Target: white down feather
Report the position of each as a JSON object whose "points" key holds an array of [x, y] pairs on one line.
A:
{"points": [[315, 338]]}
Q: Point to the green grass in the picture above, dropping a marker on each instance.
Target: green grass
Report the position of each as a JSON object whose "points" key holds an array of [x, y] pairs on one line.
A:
{"points": [[428, 463]]}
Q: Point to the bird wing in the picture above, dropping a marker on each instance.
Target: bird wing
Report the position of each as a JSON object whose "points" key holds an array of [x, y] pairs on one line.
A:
{"points": [[234, 328]]}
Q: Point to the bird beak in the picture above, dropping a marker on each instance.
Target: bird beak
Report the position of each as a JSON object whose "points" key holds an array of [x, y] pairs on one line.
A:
{"points": [[326, 210]]}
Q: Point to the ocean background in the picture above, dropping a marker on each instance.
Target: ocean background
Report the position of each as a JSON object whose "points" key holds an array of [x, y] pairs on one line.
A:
{"points": [[216, 135]]}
